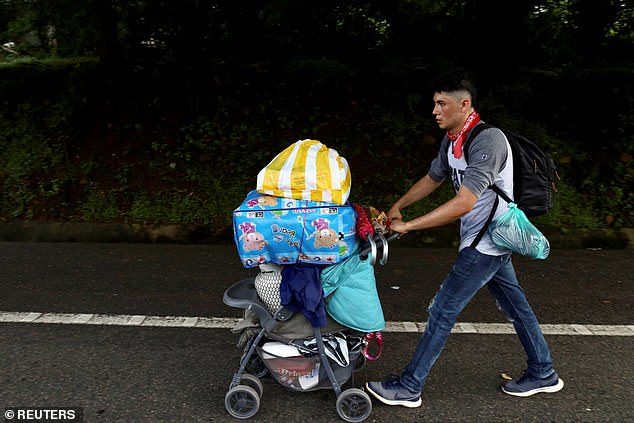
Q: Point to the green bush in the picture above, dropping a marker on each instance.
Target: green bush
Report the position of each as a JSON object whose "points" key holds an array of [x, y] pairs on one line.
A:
{"points": [[79, 146]]}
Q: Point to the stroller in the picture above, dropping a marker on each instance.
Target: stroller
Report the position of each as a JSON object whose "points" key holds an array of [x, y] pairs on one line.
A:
{"points": [[299, 356]]}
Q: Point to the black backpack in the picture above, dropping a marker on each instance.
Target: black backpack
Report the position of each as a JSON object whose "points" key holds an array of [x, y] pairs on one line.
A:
{"points": [[534, 173]]}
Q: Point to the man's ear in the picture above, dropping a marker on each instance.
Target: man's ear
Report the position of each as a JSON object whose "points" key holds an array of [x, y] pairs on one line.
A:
{"points": [[465, 104]]}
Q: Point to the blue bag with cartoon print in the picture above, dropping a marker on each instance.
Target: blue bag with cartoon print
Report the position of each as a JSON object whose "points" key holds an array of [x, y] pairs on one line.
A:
{"points": [[288, 231], [514, 231]]}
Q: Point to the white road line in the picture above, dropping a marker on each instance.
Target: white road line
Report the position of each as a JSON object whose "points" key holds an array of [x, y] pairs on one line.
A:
{"points": [[229, 322]]}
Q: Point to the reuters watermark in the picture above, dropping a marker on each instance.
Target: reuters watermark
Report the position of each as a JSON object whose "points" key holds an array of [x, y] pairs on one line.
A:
{"points": [[43, 415]]}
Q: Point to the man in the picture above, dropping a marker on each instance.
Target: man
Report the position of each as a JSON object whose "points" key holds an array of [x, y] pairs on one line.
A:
{"points": [[479, 261]]}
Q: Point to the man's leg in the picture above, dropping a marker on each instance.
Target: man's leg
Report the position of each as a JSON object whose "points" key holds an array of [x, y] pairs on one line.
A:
{"points": [[540, 375], [469, 273]]}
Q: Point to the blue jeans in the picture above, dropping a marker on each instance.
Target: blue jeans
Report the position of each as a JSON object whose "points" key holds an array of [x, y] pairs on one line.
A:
{"points": [[470, 272]]}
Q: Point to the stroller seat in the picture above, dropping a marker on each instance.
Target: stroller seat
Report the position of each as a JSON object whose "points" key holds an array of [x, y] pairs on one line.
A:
{"points": [[284, 323]]}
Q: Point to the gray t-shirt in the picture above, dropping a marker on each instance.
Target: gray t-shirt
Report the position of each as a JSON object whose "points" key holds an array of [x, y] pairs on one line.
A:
{"points": [[490, 161]]}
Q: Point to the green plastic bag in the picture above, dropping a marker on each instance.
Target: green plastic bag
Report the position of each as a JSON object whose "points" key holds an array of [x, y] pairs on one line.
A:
{"points": [[514, 231]]}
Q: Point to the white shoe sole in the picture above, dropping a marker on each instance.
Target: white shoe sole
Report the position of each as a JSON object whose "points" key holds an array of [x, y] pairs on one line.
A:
{"points": [[547, 389], [408, 404]]}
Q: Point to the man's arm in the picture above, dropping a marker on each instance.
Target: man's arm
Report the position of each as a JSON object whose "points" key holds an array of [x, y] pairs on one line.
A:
{"points": [[446, 213], [421, 189]]}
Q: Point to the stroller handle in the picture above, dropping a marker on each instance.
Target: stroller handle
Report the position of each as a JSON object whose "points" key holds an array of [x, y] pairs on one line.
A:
{"points": [[378, 245]]}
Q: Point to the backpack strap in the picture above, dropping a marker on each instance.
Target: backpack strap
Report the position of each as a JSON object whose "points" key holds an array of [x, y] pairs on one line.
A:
{"points": [[474, 133], [501, 193], [484, 228], [465, 149]]}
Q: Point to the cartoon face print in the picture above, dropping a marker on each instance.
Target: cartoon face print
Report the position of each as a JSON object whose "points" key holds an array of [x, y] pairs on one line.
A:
{"points": [[262, 202], [252, 240], [268, 201], [325, 236]]}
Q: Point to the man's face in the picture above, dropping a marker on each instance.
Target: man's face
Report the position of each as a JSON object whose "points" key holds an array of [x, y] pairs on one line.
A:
{"points": [[449, 110]]}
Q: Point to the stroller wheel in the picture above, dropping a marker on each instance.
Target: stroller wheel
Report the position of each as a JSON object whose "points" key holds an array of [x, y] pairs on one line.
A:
{"points": [[354, 405], [242, 402], [253, 382]]}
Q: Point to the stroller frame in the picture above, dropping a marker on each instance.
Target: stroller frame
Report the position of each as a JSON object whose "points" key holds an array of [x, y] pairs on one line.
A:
{"points": [[242, 400], [245, 391]]}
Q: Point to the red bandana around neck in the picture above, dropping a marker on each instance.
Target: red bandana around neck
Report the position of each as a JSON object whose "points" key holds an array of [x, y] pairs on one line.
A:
{"points": [[457, 139]]}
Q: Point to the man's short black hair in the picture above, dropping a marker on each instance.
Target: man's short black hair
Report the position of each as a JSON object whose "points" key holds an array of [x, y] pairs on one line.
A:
{"points": [[457, 79]]}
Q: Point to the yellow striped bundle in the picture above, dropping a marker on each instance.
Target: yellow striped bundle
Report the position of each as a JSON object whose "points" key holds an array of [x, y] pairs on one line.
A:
{"points": [[307, 170]]}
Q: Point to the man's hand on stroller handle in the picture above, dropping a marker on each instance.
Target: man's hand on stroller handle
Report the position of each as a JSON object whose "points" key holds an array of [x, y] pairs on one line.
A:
{"points": [[398, 227]]}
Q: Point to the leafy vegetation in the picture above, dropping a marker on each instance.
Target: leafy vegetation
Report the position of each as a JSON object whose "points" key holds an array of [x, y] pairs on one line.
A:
{"points": [[134, 119]]}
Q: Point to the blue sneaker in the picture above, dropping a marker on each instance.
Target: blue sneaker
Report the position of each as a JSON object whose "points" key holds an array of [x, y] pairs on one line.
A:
{"points": [[393, 393], [528, 385]]}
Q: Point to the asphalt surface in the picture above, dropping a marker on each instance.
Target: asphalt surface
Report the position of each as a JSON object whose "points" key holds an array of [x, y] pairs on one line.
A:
{"points": [[169, 374]]}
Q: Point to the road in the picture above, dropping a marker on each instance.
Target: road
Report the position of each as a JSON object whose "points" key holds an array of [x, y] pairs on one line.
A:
{"points": [[146, 336]]}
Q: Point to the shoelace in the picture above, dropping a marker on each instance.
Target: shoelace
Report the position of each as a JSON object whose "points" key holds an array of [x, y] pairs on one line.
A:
{"points": [[378, 337]]}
